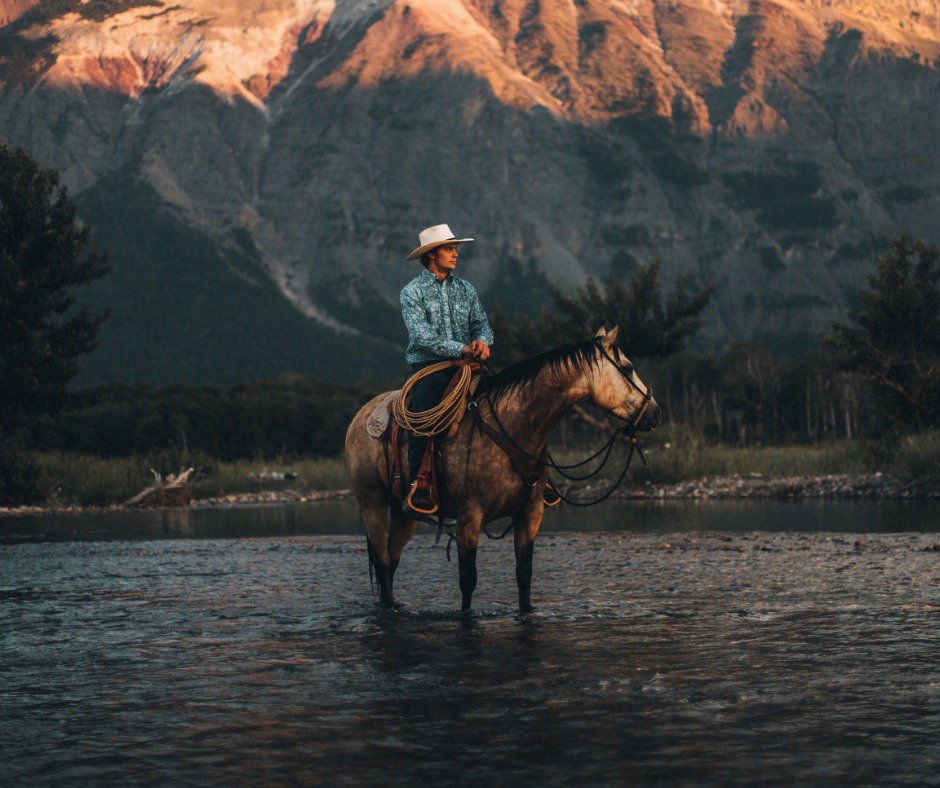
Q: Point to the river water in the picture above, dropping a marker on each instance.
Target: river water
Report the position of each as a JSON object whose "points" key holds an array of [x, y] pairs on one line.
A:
{"points": [[683, 645]]}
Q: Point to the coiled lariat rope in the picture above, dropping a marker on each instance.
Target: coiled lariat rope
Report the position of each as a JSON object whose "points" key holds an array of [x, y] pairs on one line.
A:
{"points": [[441, 417]]}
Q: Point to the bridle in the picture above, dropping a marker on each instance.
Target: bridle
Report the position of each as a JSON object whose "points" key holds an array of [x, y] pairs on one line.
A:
{"points": [[647, 395], [628, 431]]}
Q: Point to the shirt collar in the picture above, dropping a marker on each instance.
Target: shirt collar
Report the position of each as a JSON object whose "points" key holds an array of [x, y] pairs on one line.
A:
{"points": [[428, 276]]}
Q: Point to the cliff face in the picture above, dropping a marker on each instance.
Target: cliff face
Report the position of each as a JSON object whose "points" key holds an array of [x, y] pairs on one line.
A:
{"points": [[770, 147]]}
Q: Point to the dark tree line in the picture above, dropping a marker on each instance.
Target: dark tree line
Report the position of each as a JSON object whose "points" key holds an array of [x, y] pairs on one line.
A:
{"points": [[744, 395], [41, 262], [42, 331], [894, 343], [292, 417], [747, 396], [879, 372]]}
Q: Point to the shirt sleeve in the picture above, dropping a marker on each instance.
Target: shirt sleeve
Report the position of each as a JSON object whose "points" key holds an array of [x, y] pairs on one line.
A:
{"points": [[423, 337], [479, 325]]}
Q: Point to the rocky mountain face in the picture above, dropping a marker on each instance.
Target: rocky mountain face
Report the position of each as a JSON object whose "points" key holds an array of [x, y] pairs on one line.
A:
{"points": [[287, 152]]}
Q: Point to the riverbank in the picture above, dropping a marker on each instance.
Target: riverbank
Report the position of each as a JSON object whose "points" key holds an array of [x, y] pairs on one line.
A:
{"points": [[266, 498], [843, 487], [678, 464], [868, 487]]}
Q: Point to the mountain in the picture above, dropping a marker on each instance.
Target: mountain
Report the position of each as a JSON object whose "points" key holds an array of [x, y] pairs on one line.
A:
{"points": [[277, 159]]}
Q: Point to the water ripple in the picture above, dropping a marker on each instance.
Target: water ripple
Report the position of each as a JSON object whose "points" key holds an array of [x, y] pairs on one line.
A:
{"points": [[689, 659]]}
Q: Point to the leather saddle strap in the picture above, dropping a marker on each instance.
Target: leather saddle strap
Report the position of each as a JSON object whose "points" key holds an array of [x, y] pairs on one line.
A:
{"points": [[518, 459], [393, 447]]}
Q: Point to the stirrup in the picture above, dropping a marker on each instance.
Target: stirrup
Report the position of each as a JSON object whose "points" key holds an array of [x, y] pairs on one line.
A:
{"points": [[431, 519], [409, 501], [550, 496], [412, 514]]}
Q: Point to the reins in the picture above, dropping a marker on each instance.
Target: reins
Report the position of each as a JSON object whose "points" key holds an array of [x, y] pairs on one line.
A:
{"points": [[628, 431]]}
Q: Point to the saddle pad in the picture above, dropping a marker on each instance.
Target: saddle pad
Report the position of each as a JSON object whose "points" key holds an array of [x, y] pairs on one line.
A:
{"points": [[378, 419]]}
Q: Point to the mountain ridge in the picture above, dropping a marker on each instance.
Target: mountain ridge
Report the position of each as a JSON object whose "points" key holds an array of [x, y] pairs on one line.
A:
{"points": [[769, 146]]}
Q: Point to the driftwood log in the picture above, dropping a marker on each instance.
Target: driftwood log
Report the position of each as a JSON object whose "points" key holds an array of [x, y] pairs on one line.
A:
{"points": [[174, 490]]}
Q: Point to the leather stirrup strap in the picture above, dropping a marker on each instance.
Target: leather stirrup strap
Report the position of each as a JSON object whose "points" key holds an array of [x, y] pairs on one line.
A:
{"points": [[425, 481], [393, 434]]}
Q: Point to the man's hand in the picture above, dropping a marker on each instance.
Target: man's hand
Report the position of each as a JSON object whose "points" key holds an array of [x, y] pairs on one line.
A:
{"points": [[480, 349]]}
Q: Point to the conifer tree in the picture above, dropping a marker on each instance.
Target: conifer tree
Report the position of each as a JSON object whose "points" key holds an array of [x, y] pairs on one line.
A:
{"points": [[649, 327], [895, 341], [41, 330]]}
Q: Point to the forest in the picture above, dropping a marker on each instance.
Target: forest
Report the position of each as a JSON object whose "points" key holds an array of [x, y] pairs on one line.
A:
{"points": [[878, 375], [873, 381]]}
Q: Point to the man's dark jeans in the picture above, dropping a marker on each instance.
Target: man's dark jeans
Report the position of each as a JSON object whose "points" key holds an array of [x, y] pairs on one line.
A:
{"points": [[426, 393]]}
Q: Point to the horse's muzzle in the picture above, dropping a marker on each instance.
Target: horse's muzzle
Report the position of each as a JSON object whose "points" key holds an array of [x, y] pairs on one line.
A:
{"points": [[651, 419]]}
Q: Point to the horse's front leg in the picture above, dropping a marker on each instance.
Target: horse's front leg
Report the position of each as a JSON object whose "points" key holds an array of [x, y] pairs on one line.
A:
{"points": [[468, 536], [525, 528]]}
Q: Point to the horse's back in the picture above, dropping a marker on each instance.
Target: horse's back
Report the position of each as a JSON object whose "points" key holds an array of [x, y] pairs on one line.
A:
{"points": [[362, 450]]}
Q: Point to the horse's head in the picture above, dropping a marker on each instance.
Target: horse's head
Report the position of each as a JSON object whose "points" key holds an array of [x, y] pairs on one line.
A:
{"points": [[616, 388]]}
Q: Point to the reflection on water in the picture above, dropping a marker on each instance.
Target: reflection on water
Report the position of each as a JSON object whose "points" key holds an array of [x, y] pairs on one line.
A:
{"points": [[341, 518], [737, 516], [684, 659], [212, 523]]}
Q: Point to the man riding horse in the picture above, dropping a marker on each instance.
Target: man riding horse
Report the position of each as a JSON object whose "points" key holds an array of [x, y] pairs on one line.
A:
{"points": [[445, 320], [494, 462]]}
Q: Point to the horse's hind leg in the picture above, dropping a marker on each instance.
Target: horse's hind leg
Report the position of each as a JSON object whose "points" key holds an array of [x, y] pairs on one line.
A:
{"points": [[375, 516], [399, 534]]}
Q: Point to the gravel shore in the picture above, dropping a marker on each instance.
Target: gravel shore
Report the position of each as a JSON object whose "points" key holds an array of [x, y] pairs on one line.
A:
{"points": [[871, 487], [270, 497]]}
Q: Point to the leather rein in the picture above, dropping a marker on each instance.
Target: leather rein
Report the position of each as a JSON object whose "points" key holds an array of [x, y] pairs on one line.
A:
{"points": [[529, 467]]}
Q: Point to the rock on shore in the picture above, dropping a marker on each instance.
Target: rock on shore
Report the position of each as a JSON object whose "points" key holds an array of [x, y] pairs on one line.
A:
{"points": [[239, 499]]}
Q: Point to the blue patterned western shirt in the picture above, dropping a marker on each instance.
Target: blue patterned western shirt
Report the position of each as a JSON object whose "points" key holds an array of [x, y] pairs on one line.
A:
{"points": [[441, 316]]}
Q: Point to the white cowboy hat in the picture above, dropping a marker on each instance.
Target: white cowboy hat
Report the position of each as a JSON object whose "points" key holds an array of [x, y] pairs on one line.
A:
{"points": [[435, 236]]}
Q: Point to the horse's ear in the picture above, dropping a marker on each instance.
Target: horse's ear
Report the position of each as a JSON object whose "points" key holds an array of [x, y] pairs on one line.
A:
{"points": [[610, 338], [601, 332]]}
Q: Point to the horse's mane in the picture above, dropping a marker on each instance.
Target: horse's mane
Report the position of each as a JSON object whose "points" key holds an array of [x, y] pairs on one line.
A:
{"points": [[577, 358]]}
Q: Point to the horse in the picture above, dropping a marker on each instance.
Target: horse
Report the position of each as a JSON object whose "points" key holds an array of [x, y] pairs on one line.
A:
{"points": [[479, 482]]}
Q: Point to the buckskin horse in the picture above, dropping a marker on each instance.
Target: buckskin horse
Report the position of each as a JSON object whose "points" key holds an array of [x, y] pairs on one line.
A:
{"points": [[479, 482]]}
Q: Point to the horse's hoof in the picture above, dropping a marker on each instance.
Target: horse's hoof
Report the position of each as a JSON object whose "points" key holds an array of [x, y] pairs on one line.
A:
{"points": [[525, 610]]}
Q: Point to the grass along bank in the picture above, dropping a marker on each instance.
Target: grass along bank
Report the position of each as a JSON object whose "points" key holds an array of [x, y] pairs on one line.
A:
{"points": [[92, 481], [673, 454]]}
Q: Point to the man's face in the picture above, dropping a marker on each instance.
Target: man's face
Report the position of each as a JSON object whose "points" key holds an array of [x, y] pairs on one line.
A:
{"points": [[443, 260]]}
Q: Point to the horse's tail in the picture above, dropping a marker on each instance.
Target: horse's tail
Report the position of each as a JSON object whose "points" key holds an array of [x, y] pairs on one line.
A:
{"points": [[371, 554]]}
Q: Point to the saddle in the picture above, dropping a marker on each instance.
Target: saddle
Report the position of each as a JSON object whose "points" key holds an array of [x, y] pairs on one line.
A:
{"points": [[377, 423], [382, 426]]}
